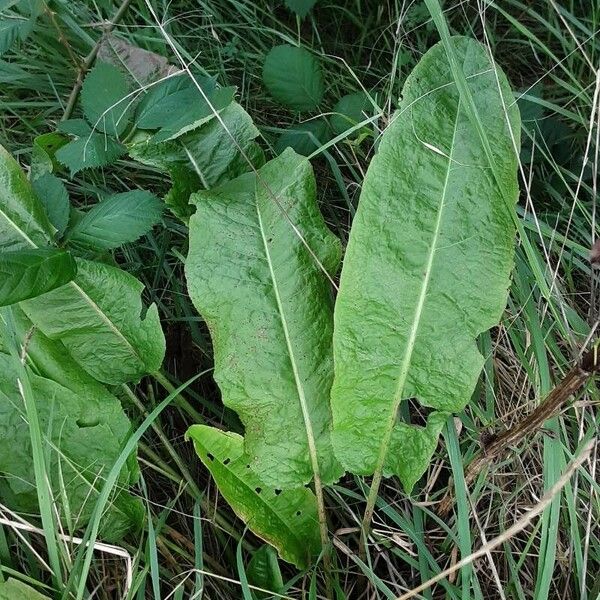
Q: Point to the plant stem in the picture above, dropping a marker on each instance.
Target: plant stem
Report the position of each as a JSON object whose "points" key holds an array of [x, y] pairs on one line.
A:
{"points": [[180, 401]]}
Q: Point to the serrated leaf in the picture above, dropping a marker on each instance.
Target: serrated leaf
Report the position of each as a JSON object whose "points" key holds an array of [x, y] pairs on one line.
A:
{"points": [[293, 77], [304, 138], [94, 150], [104, 98], [300, 7], [76, 127], [427, 267], [268, 305], [350, 110], [202, 158], [85, 428], [286, 519], [176, 106], [12, 589], [98, 319], [23, 222], [98, 316], [43, 153], [29, 273], [117, 220], [141, 66], [53, 194]]}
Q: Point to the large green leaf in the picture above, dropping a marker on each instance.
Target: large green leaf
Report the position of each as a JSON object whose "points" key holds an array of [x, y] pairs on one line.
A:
{"points": [[54, 197], [293, 77], [98, 317], [105, 101], [89, 152], [268, 305], [85, 428], [286, 519], [23, 221], [202, 158], [12, 589], [28, 273], [117, 220], [427, 266]]}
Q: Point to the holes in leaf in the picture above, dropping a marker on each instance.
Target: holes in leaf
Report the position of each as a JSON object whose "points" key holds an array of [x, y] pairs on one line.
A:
{"points": [[247, 466], [210, 456], [298, 513], [226, 461], [277, 492], [83, 423], [258, 490]]}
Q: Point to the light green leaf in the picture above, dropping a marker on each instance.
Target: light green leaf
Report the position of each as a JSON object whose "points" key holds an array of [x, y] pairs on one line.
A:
{"points": [[54, 196], [286, 519], [263, 572], [89, 152], [202, 158], [304, 138], [176, 106], [29, 273], [117, 220], [300, 7], [85, 428], [350, 110], [12, 589], [23, 221], [98, 318], [293, 77], [104, 98], [427, 267], [268, 305]]}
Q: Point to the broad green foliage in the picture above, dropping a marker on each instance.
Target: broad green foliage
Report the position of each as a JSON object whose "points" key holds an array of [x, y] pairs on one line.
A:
{"points": [[98, 319], [98, 315], [286, 519], [104, 98], [293, 77], [203, 158], [85, 428], [300, 7], [90, 151], [117, 220], [179, 104], [53, 194], [23, 222], [263, 572], [350, 110], [12, 589], [427, 266], [268, 305], [304, 138], [43, 155], [28, 273]]}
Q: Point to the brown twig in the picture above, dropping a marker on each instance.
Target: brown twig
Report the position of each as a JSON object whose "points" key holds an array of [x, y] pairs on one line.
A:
{"points": [[497, 445], [89, 59]]}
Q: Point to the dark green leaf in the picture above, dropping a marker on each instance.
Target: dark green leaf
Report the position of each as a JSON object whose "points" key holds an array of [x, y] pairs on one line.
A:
{"points": [[350, 110], [76, 127], [293, 77], [43, 153], [286, 519], [117, 220], [428, 264], [30, 273], [268, 304], [54, 196], [263, 572], [176, 106], [104, 98], [12, 30], [94, 150], [300, 7], [304, 138]]}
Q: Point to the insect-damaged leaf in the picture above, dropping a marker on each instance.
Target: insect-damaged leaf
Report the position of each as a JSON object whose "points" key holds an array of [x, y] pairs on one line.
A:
{"points": [[286, 519], [98, 315], [268, 305], [427, 266]]}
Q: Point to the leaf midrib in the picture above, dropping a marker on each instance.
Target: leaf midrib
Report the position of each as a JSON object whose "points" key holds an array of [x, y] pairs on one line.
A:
{"points": [[406, 362]]}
